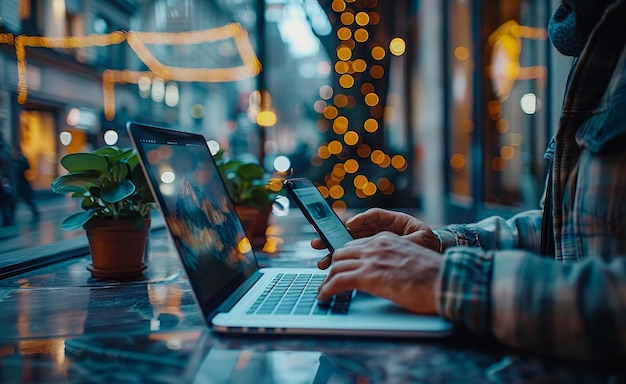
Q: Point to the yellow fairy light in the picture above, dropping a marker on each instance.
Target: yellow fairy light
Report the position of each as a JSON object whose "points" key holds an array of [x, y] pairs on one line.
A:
{"points": [[323, 190], [330, 112], [344, 53], [351, 138], [361, 35], [323, 152], [371, 99], [341, 100], [344, 33], [397, 46], [378, 53], [359, 65], [371, 125], [338, 5], [360, 181], [351, 166], [347, 18], [335, 147], [340, 125], [362, 18], [346, 81]]}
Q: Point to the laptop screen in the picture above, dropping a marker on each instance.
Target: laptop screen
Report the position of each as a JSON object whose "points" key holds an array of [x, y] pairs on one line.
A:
{"points": [[205, 228]]}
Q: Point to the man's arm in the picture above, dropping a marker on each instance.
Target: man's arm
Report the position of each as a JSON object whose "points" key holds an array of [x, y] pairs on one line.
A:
{"points": [[523, 231], [575, 310]]}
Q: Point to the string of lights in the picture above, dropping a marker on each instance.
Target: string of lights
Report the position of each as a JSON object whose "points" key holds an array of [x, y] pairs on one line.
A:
{"points": [[139, 41]]}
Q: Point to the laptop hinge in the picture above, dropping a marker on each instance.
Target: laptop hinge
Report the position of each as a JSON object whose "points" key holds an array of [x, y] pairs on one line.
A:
{"points": [[230, 302]]}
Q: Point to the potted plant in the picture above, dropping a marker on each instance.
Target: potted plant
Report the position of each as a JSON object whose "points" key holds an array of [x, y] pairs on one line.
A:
{"points": [[252, 191], [116, 203]]}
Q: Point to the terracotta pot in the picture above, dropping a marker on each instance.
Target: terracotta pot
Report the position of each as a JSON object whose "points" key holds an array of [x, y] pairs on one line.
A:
{"points": [[117, 248], [255, 224]]}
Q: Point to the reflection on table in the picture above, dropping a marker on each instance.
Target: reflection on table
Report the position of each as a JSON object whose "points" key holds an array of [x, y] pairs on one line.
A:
{"points": [[60, 325]]}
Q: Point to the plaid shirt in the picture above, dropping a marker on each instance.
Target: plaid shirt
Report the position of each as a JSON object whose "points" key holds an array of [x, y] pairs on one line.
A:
{"points": [[573, 304]]}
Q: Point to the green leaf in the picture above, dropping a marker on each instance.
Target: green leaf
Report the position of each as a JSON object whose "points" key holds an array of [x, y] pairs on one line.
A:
{"points": [[251, 171], [75, 181], [76, 220], [107, 151], [114, 192], [79, 162]]}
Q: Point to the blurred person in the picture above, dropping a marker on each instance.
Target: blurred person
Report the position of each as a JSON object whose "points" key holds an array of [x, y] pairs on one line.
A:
{"points": [[6, 185], [550, 280], [23, 188]]}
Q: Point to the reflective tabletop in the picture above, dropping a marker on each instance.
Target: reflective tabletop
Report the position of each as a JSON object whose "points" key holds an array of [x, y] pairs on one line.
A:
{"points": [[61, 326]]}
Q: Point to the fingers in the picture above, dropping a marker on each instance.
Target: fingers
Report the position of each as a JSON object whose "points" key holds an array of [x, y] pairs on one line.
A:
{"points": [[317, 243], [339, 281], [324, 262]]}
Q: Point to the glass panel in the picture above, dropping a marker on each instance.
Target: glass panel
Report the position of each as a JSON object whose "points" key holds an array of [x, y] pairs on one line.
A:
{"points": [[514, 126]]}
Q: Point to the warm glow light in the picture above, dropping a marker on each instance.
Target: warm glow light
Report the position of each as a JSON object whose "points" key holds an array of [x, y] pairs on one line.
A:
{"points": [[336, 192], [351, 166], [344, 33], [362, 18], [335, 147], [361, 35], [344, 53], [377, 156], [461, 53], [324, 191], [347, 18], [323, 152], [377, 71], [138, 42], [341, 67], [341, 100], [360, 181], [330, 112], [371, 99], [457, 161], [371, 125], [351, 138], [359, 65], [398, 162], [266, 119], [346, 81], [338, 5], [244, 245], [397, 46], [340, 126], [378, 53]]}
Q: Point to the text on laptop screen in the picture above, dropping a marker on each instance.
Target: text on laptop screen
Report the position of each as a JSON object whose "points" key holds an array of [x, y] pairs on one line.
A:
{"points": [[202, 220]]}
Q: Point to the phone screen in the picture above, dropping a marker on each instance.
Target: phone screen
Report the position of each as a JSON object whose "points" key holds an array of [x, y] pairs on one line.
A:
{"points": [[317, 211]]}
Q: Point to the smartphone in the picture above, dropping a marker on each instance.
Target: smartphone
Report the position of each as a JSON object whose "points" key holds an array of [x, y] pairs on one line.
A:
{"points": [[319, 214]]}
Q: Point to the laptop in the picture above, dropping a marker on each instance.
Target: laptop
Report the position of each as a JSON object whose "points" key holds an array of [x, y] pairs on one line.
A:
{"points": [[233, 293]]}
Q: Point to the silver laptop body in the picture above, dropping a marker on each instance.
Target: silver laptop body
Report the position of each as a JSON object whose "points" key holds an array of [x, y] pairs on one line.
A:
{"points": [[234, 294]]}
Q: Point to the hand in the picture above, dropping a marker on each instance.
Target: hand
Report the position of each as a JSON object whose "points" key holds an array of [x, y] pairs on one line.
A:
{"points": [[389, 266], [376, 220]]}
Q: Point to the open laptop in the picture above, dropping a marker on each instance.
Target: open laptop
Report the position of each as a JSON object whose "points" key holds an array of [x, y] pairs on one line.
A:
{"points": [[232, 291]]}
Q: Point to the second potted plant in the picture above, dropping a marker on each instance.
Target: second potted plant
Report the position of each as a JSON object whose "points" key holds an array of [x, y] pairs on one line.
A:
{"points": [[252, 191]]}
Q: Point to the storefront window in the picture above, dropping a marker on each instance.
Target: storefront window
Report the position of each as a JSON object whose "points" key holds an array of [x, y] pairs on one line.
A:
{"points": [[498, 124]]}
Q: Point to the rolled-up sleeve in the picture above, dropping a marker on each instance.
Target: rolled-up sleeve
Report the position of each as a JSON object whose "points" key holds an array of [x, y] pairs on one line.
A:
{"points": [[496, 233]]}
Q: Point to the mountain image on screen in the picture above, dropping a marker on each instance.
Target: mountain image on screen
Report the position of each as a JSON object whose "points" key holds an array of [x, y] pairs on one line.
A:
{"points": [[209, 235]]}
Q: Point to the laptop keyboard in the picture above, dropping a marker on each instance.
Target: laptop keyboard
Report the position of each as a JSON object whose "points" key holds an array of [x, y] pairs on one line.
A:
{"points": [[296, 294]]}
